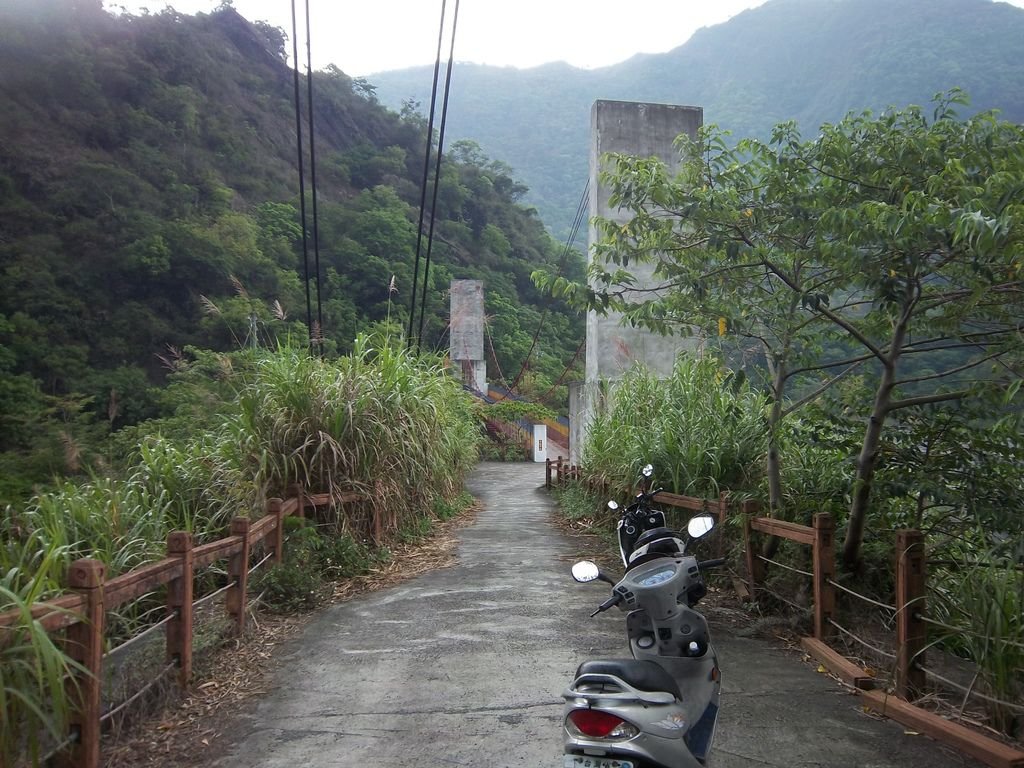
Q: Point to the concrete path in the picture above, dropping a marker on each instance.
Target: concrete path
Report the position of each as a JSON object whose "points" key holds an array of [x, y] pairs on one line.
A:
{"points": [[465, 666]]}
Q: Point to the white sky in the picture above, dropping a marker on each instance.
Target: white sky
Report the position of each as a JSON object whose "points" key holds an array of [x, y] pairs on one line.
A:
{"points": [[366, 36]]}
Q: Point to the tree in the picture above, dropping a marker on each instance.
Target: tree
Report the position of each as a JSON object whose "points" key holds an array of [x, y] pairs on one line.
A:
{"points": [[887, 243], [720, 234]]}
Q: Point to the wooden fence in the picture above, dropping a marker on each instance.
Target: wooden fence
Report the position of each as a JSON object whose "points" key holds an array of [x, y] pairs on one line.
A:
{"points": [[82, 613], [911, 634], [911, 622], [557, 472]]}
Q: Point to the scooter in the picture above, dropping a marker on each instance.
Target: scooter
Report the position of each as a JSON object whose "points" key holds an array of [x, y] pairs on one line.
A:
{"points": [[658, 709]]}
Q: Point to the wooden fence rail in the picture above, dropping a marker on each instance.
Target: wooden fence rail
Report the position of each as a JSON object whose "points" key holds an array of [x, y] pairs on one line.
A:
{"points": [[82, 613], [910, 565]]}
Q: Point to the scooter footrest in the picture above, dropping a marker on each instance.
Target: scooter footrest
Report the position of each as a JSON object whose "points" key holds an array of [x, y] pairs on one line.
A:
{"points": [[642, 675]]}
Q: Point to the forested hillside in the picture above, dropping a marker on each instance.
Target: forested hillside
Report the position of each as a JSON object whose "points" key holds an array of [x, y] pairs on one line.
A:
{"points": [[805, 60], [149, 205]]}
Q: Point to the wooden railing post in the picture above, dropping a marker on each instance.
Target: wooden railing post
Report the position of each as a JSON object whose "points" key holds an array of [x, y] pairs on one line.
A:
{"points": [[749, 509], [85, 646], [911, 633], [238, 573], [558, 472], [295, 491], [723, 515], [824, 557], [179, 604], [547, 474], [275, 541]]}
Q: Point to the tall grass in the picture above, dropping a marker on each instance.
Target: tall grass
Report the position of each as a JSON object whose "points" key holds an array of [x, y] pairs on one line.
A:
{"points": [[987, 603], [382, 421], [34, 706], [702, 429]]}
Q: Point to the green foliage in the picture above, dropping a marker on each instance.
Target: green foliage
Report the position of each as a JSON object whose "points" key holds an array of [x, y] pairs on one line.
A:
{"points": [[397, 429], [502, 450], [514, 410], [578, 502], [703, 430], [337, 426], [445, 509], [383, 422], [984, 600], [147, 193], [865, 251], [34, 706]]}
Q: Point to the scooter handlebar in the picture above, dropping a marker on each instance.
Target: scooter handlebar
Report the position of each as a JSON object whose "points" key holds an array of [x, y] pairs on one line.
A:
{"points": [[611, 602]]}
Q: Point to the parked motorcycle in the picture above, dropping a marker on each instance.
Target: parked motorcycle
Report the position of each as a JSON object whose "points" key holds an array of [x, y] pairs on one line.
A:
{"points": [[658, 709], [639, 516]]}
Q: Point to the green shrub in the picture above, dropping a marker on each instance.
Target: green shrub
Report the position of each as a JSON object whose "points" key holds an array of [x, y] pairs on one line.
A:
{"points": [[702, 428], [984, 598]]}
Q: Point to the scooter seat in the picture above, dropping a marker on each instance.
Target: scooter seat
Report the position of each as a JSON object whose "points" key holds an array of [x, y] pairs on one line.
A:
{"points": [[642, 675]]}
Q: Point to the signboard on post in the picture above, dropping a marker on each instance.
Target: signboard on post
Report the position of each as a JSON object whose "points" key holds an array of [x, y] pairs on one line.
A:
{"points": [[540, 443]]}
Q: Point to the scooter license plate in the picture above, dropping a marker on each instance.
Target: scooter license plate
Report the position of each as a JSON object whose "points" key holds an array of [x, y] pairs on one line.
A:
{"points": [[585, 761]]}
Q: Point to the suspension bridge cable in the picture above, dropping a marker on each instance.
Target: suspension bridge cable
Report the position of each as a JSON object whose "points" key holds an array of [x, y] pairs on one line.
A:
{"points": [[543, 398], [302, 175], [494, 356], [426, 176], [312, 181], [577, 220], [437, 171]]}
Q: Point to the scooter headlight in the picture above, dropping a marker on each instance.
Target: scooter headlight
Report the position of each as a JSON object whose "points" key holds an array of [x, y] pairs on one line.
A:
{"points": [[595, 724]]}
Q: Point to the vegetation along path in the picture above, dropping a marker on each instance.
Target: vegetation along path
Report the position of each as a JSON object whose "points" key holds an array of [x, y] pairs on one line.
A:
{"points": [[465, 666]]}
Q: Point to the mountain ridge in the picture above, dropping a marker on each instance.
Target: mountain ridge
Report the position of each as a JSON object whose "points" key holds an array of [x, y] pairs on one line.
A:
{"points": [[808, 60]]}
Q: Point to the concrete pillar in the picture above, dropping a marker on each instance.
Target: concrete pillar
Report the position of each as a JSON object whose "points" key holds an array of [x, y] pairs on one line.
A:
{"points": [[466, 332], [644, 130]]}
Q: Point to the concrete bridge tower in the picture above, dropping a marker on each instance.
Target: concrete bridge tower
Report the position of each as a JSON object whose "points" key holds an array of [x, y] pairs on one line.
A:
{"points": [[466, 332], [644, 130]]}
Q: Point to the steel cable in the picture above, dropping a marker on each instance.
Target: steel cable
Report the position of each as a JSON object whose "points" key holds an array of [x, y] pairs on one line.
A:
{"points": [[787, 567], [209, 597], [437, 173], [312, 181], [962, 631], [577, 221], [969, 691], [426, 177], [863, 642], [862, 597], [139, 693], [302, 174], [145, 633]]}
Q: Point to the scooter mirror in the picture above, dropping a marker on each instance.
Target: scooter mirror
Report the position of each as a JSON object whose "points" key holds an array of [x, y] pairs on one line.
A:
{"points": [[613, 505], [585, 571], [700, 525], [648, 470]]}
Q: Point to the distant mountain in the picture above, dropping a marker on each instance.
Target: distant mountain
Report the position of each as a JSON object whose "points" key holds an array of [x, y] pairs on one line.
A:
{"points": [[808, 60]]}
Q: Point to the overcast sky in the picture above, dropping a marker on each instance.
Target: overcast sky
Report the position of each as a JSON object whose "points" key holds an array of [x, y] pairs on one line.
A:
{"points": [[366, 36]]}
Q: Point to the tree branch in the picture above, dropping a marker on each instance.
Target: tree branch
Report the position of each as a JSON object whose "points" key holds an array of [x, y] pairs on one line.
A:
{"points": [[912, 402], [813, 395], [951, 371]]}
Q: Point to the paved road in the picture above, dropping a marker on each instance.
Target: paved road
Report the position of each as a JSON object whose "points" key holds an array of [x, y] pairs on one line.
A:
{"points": [[464, 667]]}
